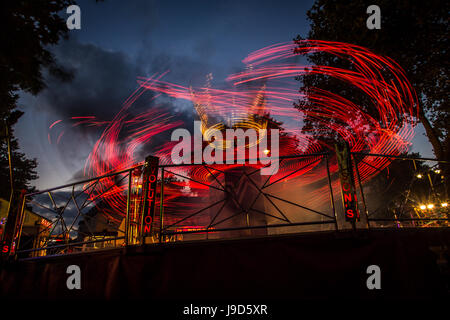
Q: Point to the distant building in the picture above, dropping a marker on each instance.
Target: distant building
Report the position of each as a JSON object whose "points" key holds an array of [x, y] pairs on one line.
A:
{"points": [[34, 231], [95, 227]]}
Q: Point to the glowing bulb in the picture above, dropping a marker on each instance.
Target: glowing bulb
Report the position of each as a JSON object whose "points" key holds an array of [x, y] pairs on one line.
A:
{"points": [[430, 206], [423, 207], [266, 151], [437, 171], [445, 204], [419, 176]]}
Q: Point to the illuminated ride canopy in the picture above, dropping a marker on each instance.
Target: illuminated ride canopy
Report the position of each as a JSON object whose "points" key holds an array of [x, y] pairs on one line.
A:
{"points": [[259, 97]]}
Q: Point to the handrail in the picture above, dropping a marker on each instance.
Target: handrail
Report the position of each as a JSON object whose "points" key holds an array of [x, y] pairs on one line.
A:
{"points": [[69, 245], [398, 157], [83, 181], [163, 232]]}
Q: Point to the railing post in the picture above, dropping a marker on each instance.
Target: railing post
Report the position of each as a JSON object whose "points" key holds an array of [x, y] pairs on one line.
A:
{"points": [[161, 206], [127, 218], [347, 180], [149, 184], [331, 192], [20, 223], [13, 228], [361, 191]]}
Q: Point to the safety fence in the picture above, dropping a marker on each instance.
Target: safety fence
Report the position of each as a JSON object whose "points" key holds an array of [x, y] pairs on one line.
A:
{"points": [[402, 191], [76, 217], [211, 201], [237, 201]]}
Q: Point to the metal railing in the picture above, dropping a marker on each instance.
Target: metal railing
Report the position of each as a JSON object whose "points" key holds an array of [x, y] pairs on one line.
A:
{"points": [[240, 202], [209, 201], [77, 213]]}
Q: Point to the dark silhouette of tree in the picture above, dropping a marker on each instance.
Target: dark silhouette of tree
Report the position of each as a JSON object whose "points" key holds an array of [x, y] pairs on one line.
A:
{"points": [[413, 33], [23, 168], [27, 29], [400, 189]]}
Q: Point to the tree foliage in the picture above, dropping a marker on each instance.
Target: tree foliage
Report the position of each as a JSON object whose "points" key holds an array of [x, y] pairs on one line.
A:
{"points": [[27, 29]]}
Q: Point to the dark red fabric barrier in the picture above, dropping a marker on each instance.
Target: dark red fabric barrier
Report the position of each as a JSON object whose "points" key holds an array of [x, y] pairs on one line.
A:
{"points": [[414, 263]]}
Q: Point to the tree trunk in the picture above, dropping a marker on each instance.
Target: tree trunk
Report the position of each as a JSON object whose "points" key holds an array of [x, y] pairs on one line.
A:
{"points": [[432, 136]]}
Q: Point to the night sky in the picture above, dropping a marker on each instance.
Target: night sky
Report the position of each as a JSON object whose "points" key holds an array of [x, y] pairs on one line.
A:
{"points": [[122, 40]]}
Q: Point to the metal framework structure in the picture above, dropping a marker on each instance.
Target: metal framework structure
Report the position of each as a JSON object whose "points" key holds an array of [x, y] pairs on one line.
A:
{"points": [[408, 209], [59, 230], [82, 197], [214, 223]]}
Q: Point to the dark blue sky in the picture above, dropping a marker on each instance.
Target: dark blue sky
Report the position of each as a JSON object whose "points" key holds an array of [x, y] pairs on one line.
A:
{"points": [[121, 40]]}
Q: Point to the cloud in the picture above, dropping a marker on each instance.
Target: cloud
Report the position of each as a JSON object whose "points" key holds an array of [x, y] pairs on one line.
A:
{"points": [[102, 81]]}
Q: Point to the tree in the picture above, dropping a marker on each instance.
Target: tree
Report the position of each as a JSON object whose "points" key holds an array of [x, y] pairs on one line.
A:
{"points": [[27, 29], [413, 33], [23, 168]]}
